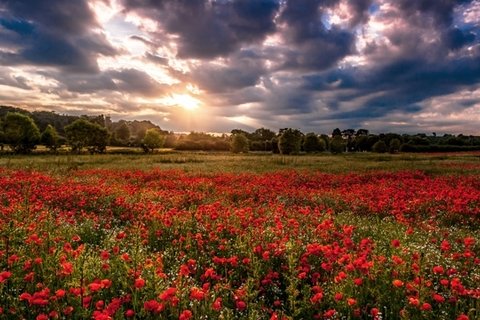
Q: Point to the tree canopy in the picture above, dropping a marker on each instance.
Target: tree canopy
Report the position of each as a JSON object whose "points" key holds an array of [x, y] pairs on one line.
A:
{"points": [[239, 143], [20, 132], [85, 134], [49, 138], [153, 140], [290, 141]]}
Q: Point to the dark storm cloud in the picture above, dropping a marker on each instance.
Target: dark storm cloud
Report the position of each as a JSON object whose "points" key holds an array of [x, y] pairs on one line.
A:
{"points": [[360, 11], [59, 16], [326, 62], [400, 79], [137, 82], [52, 33], [316, 46], [440, 10], [209, 29], [430, 19], [400, 85], [123, 81], [455, 38], [242, 70]]}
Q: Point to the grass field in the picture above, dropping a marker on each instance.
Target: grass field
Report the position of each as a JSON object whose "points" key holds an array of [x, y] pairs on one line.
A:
{"points": [[253, 162], [220, 236]]}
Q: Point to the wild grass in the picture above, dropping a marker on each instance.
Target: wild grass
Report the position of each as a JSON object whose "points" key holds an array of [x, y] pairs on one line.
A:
{"points": [[252, 162]]}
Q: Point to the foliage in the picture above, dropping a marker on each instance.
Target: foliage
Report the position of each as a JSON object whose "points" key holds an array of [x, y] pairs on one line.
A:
{"points": [[169, 244], [2, 134], [394, 145], [362, 143], [261, 139], [274, 143], [122, 133], [49, 138], [380, 147], [170, 141], [290, 141], [337, 144], [153, 140], [336, 132], [239, 143], [20, 132], [85, 134], [311, 143], [202, 141]]}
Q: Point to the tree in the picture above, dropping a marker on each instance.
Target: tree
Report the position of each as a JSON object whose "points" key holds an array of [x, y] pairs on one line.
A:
{"points": [[348, 134], [122, 133], [2, 135], [326, 140], [337, 144], [380, 147], [239, 143], [322, 145], [85, 134], [394, 146], [264, 134], [274, 143], [336, 132], [21, 133], [49, 138], [152, 140], [99, 139], [311, 143], [361, 143], [170, 141], [362, 132], [290, 141]]}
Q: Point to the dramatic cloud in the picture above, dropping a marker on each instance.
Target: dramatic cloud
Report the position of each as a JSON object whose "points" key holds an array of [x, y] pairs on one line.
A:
{"points": [[209, 29], [388, 65], [51, 33]]}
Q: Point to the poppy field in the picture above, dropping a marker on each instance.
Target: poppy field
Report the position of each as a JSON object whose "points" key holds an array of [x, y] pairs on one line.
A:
{"points": [[168, 243]]}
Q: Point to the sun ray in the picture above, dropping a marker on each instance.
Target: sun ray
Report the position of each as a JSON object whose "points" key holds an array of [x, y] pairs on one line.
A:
{"points": [[185, 101]]}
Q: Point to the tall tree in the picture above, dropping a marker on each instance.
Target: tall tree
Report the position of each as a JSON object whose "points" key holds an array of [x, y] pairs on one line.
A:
{"points": [[311, 143], [337, 144], [21, 133], [122, 133], [290, 141], [2, 135], [336, 132], [264, 134]]}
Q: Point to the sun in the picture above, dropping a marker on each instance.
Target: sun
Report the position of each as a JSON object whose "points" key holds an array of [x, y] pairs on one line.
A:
{"points": [[186, 101]]}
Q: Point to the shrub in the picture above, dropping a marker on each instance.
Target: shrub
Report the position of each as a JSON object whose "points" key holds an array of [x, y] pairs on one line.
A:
{"points": [[379, 147], [152, 140], [239, 143]]}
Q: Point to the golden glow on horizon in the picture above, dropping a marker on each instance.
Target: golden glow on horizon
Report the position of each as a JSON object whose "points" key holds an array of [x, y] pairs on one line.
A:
{"points": [[185, 101]]}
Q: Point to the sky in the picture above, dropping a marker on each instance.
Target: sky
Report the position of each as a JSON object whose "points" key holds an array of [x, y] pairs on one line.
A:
{"points": [[405, 66]]}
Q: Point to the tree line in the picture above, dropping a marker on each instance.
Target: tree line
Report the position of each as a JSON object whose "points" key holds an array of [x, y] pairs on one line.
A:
{"points": [[23, 131]]}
